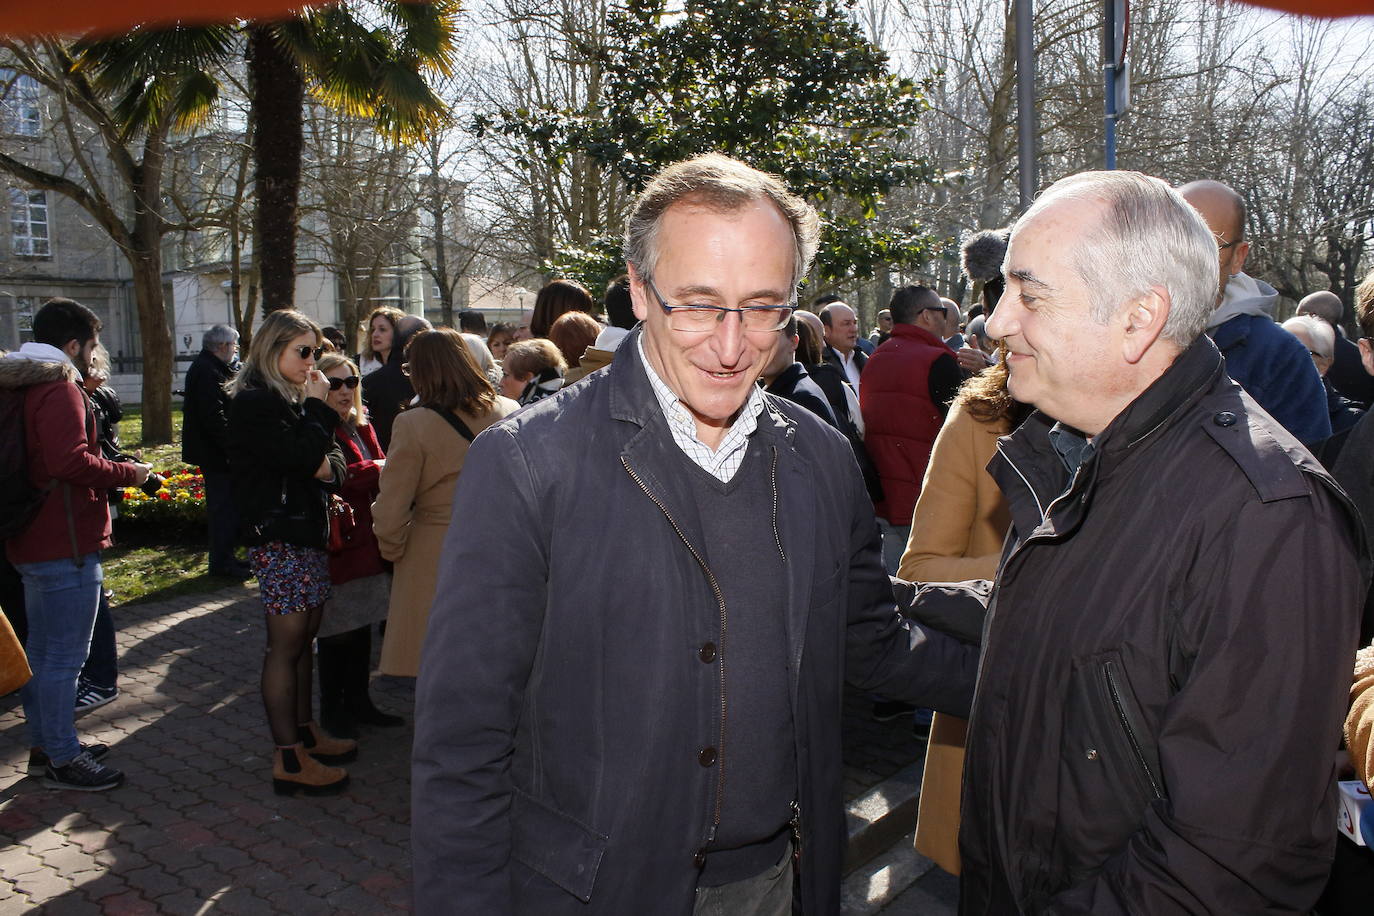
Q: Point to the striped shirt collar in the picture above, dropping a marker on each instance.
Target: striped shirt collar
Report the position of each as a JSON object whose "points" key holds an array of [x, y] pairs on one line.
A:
{"points": [[723, 462]]}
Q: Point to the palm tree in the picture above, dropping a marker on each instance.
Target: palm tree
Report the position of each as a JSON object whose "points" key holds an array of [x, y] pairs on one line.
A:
{"points": [[373, 70]]}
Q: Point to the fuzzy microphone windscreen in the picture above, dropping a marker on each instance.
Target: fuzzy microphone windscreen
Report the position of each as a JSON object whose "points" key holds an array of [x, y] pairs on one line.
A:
{"points": [[983, 253]]}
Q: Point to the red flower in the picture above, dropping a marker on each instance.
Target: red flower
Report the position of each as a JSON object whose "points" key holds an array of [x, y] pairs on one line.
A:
{"points": [[164, 495]]}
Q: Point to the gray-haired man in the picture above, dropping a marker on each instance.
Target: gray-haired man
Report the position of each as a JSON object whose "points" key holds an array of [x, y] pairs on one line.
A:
{"points": [[656, 737], [205, 441]]}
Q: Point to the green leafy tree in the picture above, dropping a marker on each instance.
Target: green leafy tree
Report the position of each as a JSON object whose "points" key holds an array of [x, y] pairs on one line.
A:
{"points": [[116, 104], [792, 87]]}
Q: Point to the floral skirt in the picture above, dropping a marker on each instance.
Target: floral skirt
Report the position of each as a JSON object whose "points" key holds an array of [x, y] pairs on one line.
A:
{"points": [[291, 579]]}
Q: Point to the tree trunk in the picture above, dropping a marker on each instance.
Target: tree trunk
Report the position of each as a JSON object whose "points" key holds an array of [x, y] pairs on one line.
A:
{"points": [[157, 345], [278, 92], [438, 211]]}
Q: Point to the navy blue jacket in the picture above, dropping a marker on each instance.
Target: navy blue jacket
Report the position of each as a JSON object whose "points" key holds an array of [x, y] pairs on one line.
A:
{"points": [[564, 701], [1276, 370]]}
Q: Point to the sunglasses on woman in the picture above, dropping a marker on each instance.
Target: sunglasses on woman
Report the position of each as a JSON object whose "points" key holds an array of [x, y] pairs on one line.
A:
{"points": [[336, 383], [305, 352]]}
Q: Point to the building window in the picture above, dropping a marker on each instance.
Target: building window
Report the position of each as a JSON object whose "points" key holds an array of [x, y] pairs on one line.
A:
{"points": [[20, 111], [29, 223]]}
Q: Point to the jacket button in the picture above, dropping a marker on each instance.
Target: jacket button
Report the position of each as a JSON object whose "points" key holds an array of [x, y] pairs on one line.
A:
{"points": [[1224, 418], [707, 756], [1091, 753], [699, 860], [708, 652]]}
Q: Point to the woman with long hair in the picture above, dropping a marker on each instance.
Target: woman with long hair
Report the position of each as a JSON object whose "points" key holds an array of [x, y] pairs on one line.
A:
{"points": [[361, 585], [412, 511], [957, 530], [556, 298], [379, 334], [285, 461]]}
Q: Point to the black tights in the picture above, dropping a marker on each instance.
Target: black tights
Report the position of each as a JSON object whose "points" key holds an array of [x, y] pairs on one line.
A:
{"points": [[286, 672]]}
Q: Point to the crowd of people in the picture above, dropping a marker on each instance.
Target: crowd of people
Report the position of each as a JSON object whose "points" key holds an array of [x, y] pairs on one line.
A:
{"points": [[1109, 524]]}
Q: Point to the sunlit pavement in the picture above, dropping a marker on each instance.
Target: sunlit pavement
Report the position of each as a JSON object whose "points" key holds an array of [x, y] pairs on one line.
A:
{"points": [[196, 828]]}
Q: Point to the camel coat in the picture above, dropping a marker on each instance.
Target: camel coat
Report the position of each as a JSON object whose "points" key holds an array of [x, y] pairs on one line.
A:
{"points": [[957, 529], [411, 517]]}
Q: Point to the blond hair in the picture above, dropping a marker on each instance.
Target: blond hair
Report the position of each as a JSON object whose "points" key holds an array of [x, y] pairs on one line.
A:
{"points": [[260, 369], [358, 415]]}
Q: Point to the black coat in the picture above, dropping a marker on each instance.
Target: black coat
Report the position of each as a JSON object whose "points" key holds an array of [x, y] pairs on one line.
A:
{"points": [[388, 391], [1164, 677], [794, 384], [563, 702], [275, 447], [205, 418]]}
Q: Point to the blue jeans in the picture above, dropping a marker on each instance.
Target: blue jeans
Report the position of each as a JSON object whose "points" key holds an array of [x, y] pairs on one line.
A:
{"points": [[61, 598], [102, 664]]}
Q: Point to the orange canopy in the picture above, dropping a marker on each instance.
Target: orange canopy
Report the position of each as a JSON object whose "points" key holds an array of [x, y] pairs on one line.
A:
{"points": [[22, 18], [35, 17]]}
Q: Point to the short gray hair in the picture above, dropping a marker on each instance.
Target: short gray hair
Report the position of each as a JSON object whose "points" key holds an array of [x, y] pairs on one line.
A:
{"points": [[722, 184], [1322, 335], [218, 336], [1147, 237]]}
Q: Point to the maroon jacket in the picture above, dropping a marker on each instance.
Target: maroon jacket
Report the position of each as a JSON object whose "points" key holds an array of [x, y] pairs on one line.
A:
{"points": [[61, 441], [360, 557], [901, 417]]}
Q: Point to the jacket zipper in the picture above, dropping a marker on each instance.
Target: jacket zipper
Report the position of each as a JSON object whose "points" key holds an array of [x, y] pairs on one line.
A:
{"points": [[1136, 750], [720, 653], [777, 539]]}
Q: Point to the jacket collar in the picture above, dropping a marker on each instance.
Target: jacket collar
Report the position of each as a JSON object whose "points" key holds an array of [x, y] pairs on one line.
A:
{"points": [[916, 332], [1034, 478], [632, 397]]}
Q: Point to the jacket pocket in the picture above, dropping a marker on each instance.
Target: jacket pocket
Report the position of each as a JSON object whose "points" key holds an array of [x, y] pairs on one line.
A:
{"points": [[555, 845], [1109, 763]]}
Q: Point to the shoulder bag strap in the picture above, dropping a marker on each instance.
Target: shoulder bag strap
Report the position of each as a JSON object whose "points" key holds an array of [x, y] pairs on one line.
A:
{"points": [[453, 421]]}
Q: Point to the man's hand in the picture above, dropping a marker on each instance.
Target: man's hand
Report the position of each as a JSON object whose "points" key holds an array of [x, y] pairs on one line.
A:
{"points": [[316, 386], [324, 471], [972, 359], [141, 472]]}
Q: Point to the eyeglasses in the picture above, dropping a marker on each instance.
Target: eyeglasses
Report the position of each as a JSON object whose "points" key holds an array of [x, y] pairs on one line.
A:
{"points": [[1222, 246], [943, 310], [306, 352], [705, 318], [336, 383]]}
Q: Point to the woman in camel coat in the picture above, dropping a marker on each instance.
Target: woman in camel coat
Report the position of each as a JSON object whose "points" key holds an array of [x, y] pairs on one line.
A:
{"points": [[428, 445], [957, 529]]}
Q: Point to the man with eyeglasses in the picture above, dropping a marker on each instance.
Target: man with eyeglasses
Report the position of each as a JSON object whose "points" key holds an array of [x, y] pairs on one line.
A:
{"points": [[661, 736], [909, 384], [1267, 362]]}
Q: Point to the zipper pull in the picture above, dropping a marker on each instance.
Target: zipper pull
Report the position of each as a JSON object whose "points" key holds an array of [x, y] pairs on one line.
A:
{"points": [[795, 824]]}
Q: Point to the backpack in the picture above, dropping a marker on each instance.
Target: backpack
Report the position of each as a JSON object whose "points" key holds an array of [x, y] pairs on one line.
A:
{"points": [[20, 500]]}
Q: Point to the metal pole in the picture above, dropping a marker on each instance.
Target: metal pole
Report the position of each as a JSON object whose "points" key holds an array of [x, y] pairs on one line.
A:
{"points": [[1109, 79], [1025, 99]]}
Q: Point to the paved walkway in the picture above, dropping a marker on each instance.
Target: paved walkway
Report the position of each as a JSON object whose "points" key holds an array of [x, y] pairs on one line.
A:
{"points": [[196, 828]]}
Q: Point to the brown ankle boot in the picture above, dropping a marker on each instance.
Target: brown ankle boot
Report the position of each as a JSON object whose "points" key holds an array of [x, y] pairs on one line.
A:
{"points": [[324, 747], [293, 770]]}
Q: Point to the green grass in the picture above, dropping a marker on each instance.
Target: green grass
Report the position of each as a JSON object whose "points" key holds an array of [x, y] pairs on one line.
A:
{"points": [[131, 436], [142, 567], [142, 572]]}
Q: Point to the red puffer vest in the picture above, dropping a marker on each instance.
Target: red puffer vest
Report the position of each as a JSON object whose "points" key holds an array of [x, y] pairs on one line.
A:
{"points": [[900, 420]]}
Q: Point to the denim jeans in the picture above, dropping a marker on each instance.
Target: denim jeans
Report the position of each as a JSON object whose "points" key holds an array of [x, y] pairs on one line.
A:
{"points": [[61, 597]]}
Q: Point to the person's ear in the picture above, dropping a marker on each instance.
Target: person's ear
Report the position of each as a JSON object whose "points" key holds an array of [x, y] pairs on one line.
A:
{"points": [[1367, 354], [73, 349], [1238, 259], [638, 293], [1143, 319]]}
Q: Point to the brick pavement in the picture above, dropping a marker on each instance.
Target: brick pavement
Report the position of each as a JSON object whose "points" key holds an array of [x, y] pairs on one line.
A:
{"points": [[196, 828]]}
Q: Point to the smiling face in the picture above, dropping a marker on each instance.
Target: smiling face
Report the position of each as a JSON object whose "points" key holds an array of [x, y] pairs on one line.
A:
{"points": [[381, 334], [513, 384], [498, 343], [1060, 359], [738, 259], [294, 367], [341, 398]]}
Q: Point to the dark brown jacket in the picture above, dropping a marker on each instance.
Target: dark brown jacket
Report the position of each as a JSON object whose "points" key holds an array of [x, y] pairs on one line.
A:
{"points": [[1166, 658]]}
